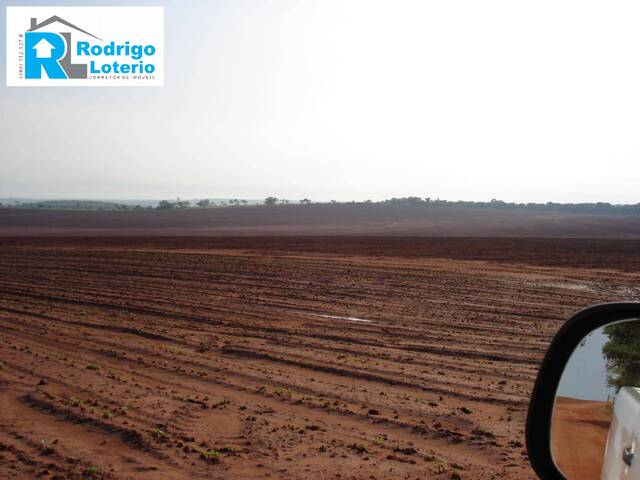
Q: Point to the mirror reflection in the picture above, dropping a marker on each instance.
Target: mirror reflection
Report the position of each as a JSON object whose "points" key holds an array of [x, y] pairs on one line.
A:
{"points": [[595, 431]]}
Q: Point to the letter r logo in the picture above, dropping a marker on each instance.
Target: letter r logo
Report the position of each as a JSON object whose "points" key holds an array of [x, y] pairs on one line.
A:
{"points": [[43, 50]]}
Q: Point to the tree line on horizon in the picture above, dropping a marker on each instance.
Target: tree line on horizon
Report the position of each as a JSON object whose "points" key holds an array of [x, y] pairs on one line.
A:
{"points": [[598, 208]]}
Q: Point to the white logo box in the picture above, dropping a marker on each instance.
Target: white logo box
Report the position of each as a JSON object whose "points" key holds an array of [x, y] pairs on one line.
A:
{"points": [[114, 26]]}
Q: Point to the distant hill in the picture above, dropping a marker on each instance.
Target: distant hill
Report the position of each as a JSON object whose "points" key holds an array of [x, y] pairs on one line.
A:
{"points": [[598, 208], [107, 204], [74, 205]]}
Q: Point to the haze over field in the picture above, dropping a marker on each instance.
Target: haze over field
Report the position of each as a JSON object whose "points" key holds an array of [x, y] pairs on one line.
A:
{"points": [[350, 100]]}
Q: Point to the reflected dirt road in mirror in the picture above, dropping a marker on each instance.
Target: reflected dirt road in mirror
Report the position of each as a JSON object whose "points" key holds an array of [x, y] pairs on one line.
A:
{"points": [[597, 410]]}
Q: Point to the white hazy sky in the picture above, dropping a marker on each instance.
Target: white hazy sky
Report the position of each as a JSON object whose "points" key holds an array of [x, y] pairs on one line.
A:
{"points": [[350, 99]]}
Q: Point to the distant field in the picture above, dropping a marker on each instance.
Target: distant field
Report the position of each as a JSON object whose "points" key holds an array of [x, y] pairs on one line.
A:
{"points": [[591, 253], [341, 219]]}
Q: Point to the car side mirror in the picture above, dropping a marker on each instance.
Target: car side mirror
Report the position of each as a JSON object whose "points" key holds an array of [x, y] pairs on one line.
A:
{"points": [[584, 416]]}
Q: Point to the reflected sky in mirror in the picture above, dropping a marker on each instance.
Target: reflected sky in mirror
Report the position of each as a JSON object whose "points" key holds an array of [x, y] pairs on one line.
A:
{"points": [[585, 376]]}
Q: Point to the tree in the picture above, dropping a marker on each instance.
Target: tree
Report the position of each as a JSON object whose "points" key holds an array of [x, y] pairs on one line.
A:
{"points": [[305, 201], [622, 354], [244, 203], [166, 205], [270, 201], [284, 201], [204, 203]]}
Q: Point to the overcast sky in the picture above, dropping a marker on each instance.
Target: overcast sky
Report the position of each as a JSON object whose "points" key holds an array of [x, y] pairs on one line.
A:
{"points": [[350, 99]]}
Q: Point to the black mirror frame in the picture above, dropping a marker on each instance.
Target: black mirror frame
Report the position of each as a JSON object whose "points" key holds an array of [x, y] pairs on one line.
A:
{"points": [[538, 428]]}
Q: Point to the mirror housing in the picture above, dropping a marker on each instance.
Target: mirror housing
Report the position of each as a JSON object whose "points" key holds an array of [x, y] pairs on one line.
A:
{"points": [[539, 417]]}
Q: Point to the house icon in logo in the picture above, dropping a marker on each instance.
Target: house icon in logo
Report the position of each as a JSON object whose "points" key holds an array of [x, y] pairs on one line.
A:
{"points": [[50, 52], [35, 26], [43, 49]]}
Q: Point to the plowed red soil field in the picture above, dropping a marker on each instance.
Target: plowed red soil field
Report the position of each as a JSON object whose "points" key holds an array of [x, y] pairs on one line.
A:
{"points": [[283, 358]]}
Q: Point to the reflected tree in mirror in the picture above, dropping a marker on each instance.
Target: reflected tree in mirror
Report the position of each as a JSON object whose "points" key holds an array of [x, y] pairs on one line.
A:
{"points": [[622, 354]]}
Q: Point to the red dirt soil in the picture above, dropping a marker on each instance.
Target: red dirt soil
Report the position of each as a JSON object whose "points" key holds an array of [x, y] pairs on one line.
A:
{"points": [[224, 358], [324, 219], [579, 437]]}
